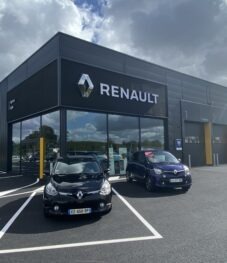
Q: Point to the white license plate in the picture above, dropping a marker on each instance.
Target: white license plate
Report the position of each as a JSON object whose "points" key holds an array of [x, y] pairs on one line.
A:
{"points": [[79, 211], [176, 180]]}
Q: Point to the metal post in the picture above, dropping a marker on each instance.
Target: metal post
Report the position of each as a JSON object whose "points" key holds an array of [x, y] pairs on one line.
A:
{"points": [[217, 156], [51, 167], [214, 159], [189, 161]]}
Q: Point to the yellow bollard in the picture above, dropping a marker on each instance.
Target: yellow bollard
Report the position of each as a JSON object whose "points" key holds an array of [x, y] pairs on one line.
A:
{"points": [[208, 143], [41, 157]]}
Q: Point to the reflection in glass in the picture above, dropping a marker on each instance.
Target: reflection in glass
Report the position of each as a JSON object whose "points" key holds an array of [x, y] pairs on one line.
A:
{"points": [[123, 141], [30, 145], [16, 147], [87, 134], [50, 130], [152, 133]]}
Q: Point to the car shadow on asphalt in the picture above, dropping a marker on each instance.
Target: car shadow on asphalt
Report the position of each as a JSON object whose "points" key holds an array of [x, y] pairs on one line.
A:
{"points": [[138, 190], [32, 219]]}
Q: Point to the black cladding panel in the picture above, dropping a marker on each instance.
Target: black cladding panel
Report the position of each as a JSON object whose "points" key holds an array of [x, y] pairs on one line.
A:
{"points": [[35, 94], [3, 127], [71, 95]]}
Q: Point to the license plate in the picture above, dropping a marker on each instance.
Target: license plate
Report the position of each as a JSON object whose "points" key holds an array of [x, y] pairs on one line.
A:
{"points": [[176, 180], [79, 211]]}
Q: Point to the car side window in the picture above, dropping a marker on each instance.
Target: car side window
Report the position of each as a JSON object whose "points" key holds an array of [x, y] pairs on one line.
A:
{"points": [[135, 157], [141, 157]]}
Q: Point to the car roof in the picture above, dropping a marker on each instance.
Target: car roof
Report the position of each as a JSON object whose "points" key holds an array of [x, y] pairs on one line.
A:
{"points": [[84, 158], [82, 153]]}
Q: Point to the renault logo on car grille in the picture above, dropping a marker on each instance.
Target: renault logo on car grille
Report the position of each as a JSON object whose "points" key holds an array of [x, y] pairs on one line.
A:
{"points": [[85, 85], [79, 195], [175, 171]]}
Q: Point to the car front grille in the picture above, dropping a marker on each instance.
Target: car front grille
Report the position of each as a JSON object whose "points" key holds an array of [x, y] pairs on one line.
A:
{"points": [[177, 174]]}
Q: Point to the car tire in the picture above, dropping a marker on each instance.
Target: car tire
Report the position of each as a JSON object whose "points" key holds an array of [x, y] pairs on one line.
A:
{"points": [[128, 177], [149, 183]]}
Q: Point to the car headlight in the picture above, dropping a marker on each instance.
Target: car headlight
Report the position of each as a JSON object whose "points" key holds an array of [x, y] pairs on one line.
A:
{"points": [[157, 171], [186, 169], [106, 188], [50, 190]]}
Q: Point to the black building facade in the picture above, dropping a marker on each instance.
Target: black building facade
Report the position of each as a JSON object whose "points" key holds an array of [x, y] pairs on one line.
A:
{"points": [[85, 98]]}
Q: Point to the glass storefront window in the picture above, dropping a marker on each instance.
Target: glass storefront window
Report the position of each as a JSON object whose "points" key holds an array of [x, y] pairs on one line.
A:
{"points": [[123, 141], [87, 134], [30, 145], [152, 133], [50, 130], [16, 147]]}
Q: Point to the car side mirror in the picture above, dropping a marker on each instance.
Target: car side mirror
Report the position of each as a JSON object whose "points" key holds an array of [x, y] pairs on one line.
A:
{"points": [[179, 159], [107, 171]]}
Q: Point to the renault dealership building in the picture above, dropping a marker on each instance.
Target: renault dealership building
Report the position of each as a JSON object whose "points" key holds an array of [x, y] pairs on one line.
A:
{"points": [[81, 97]]}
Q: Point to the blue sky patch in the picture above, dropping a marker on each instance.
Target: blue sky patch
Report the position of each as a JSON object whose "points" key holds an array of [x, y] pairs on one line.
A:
{"points": [[95, 5]]}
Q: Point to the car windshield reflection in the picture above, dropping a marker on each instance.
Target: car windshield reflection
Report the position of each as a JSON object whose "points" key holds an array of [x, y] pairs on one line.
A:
{"points": [[78, 168], [161, 157]]}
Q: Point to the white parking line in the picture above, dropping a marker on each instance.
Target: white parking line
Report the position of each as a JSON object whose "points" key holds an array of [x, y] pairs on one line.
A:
{"points": [[83, 244], [155, 234], [116, 179], [142, 219], [14, 190], [40, 190], [11, 176], [14, 217], [10, 222]]}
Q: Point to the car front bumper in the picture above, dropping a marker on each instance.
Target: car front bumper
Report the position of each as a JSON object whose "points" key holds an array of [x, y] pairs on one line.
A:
{"points": [[167, 183], [61, 205]]}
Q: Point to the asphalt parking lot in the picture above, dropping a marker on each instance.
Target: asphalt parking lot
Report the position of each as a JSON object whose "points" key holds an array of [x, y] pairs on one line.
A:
{"points": [[166, 226]]}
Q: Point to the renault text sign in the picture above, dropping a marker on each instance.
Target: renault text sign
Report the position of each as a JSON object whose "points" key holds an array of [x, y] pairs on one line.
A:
{"points": [[89, 88], [86, 87], [127, 94]]}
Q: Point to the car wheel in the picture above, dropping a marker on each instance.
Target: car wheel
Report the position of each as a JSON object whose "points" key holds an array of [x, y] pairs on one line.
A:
{"points": [[128, 177], [149, 184]]}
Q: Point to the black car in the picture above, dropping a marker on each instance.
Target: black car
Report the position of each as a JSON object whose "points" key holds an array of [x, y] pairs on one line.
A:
{"points": [[158, 169], [77, 186]]}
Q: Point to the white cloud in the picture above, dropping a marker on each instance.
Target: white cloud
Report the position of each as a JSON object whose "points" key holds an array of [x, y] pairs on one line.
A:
{"points": [[186, 35], [26, 25]]}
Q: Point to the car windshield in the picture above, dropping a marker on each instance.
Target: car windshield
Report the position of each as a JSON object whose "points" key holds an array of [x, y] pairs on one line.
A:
{"points": [[160, 157], [77, 168]]}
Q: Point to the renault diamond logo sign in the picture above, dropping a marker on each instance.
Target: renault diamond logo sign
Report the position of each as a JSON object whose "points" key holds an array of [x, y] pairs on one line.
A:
{"points": [[79, 195], [85, 85]]}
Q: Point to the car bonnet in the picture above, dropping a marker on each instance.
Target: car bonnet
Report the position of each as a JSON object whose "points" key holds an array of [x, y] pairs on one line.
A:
{"points": [[86, 186]]}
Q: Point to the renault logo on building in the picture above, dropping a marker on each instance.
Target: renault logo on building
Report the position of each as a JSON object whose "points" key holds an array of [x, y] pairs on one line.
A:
{"points": [[85, 85]]}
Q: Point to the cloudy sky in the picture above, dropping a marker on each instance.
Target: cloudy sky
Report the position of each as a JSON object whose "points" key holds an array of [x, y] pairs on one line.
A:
{"points": [[186, 35]]}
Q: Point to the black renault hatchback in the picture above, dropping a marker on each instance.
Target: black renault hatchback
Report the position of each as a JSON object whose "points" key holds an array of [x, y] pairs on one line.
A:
{"points": [[77, 186]]}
